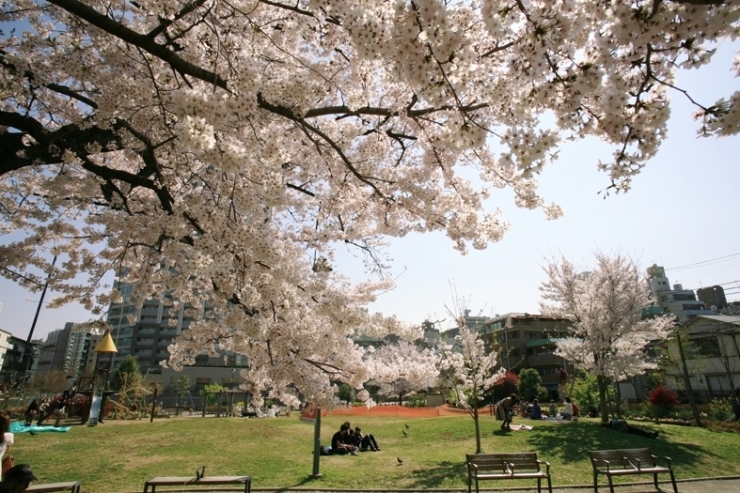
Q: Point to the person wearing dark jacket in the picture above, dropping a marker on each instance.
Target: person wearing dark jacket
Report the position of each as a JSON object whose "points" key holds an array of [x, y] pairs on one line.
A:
{"points": [[17, 479], [341, 442], [365, 442]]}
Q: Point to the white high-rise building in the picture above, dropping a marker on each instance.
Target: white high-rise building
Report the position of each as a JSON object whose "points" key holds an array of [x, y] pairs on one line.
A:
{"points": [[680, 302]]}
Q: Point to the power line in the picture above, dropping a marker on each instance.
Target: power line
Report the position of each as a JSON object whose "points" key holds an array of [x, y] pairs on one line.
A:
{"points": [[703, 262]]}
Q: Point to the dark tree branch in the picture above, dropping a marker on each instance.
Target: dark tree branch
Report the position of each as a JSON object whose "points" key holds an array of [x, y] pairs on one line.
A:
{"points": [[143, 41]]}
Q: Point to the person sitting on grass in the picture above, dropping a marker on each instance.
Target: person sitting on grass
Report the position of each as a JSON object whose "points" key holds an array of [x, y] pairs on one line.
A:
{"points": [[553, 409], [536, 410], [341, 442], [364, 442], [567, 413], [622, 427], [17, 479]]}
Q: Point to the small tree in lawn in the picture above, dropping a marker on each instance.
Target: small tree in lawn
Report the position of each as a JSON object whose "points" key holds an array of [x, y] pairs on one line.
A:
{"points": [[472, 368], [608, 334], [530, 385], [128, 370], [181, 386]]}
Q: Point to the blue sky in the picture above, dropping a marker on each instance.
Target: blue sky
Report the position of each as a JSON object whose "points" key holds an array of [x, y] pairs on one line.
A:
{"points": [[682, 211]]}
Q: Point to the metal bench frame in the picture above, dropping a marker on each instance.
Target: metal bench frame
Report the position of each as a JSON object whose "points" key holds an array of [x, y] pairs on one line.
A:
{"points": [[624, 462], [483, 467], [196, 483], [71, 486]]}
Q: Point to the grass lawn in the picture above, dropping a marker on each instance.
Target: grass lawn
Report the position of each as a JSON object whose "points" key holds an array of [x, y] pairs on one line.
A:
{"points": [[119, 456]]}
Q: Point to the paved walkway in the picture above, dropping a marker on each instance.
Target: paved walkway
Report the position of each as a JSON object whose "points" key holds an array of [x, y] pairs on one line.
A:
{"points": [[718, 485]]}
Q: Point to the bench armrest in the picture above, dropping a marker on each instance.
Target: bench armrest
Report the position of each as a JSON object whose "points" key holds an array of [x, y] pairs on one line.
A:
{"points": [[629, 461], [666, 459], [547, 466], [509, 468], [594, 461]]}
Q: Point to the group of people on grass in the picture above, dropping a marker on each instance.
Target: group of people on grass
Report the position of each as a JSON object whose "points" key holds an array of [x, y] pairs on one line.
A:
{"points": [[506, 410], [349, 441]]}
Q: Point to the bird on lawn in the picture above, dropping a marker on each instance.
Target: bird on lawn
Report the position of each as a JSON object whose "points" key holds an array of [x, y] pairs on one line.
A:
{"points": [[407, 426], [404, 433], [399, 460], [33, 433]]}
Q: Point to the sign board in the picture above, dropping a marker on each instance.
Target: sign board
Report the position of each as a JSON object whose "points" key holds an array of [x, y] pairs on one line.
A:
{"points": [[308, 415]]}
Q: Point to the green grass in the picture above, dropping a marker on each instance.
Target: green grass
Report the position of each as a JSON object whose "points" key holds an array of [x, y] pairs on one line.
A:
{"points": [[119, 456]]}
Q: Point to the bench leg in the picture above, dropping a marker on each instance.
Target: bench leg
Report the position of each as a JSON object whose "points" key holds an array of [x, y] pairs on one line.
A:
{"points": [[611, 484], [655, 481], [248, 485], [549, 484], [539, 485], [470, 481], [673, 482], [596, 483]]}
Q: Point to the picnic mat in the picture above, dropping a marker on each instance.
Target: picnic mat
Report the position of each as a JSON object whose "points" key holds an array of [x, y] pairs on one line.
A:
{"points": [[20, 427], [521, 427]]}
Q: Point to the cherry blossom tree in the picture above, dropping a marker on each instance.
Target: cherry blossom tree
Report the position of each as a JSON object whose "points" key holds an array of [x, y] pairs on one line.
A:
{"points": [[473, 370], [221, 150], [609, 335], [403, 368]]}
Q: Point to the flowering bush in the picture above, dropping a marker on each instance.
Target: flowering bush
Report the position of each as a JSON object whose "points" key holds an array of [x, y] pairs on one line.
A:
{"points": [[506, 386], [720, 409], [662, 401]]}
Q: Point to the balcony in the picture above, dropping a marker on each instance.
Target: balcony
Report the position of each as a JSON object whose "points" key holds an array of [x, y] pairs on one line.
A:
{"points": [[545, 359]]}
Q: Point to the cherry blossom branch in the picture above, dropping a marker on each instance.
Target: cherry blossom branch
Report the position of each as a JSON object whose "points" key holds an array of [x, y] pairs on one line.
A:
{"points": [[143, 41]]}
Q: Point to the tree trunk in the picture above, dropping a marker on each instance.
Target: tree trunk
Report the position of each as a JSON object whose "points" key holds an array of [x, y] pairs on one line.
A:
{"points": [[602, 398], [477, 429]]}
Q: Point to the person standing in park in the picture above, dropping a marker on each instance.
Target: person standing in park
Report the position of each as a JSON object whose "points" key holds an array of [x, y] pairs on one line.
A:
{"points": [[505, 410], [31, 412]]}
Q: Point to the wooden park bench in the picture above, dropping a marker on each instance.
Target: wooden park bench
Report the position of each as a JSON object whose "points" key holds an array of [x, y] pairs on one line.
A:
{"points": [[626, 462], [483, 467], [199, 482], [71, 486]]}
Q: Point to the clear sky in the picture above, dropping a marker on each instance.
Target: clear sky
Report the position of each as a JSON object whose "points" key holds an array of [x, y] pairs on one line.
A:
{"points": [[682, 213]]}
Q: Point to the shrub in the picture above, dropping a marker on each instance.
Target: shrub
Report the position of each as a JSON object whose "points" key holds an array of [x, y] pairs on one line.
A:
{"points": [[506, 386], [720, 409], [585, 392], [530, 385], [417, 400], [662, 401]]}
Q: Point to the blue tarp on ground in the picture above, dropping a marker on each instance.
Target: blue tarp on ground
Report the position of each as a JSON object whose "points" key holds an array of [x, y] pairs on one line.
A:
{"points": [[20, 427]]}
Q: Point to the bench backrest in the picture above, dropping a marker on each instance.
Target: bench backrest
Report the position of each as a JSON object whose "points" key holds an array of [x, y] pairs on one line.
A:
{"points": [[622, 457], [495, 462]]}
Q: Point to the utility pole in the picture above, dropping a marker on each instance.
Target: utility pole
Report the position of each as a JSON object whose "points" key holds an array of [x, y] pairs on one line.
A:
{"points": [[686, 381], [27, 371]]}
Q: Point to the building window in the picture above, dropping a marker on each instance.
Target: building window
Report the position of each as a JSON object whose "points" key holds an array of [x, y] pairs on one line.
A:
{"points": [[515, 335], [201, 359], [708, 346], [533, 335]]}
